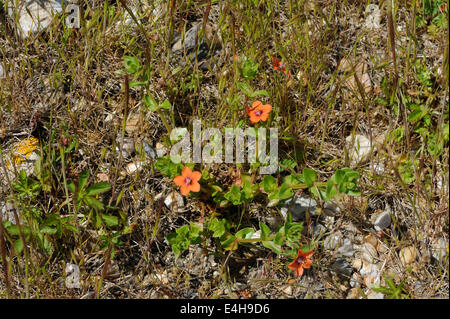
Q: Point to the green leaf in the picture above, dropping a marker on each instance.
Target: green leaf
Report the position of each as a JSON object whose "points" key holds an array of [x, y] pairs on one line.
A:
{"points": [[245, 88], [131, 64], [310, 177], [265, 230], [260, 92], [110, 220], [230, 243], [83, 178], [234, 195], [71, 187], [48, 230], [98, 188], [18, 246], [285, 192], [166, 105], [93, 202], [151, 103], [272, 246], [245, 233], [269, 183]]}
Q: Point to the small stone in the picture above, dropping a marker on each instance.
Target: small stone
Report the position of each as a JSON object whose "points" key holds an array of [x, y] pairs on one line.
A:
{"points": [[383, 220], [373, 17], [149, 151], [175, 201], [319, 230], [161, 150], [34, 16], [7, 211], [331, 208], [132, 125], [127, 146], [369, 253], [439, 248], [332, 241], [353, 293], [342, 267], [356, 280], [359, 151], [370, 239], [102, 177], [298, 205], [346, 249], [375, 295], [357, 263], [287, 290], [370, 274], [72, 276], [2, 73], [408, 255], [132, 168]]}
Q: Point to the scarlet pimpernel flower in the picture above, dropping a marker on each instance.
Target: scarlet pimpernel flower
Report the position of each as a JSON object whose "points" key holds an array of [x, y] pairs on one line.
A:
{"points": [[259, 112], [280, 66], [302, 261], [188, 181]]}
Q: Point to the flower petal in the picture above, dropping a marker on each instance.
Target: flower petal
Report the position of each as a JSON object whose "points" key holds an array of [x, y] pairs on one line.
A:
{"points": [[195, 187], [179, 180], [186, 172], [293, 265], [264, 117], [267, 108], [299, 271], [256, 104], [184, 189], [307, 264], [195, 176]]}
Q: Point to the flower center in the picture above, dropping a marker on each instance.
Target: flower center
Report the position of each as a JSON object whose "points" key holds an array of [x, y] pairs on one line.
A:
{"points": [[188, 181], [301, 260], [258, 113]]}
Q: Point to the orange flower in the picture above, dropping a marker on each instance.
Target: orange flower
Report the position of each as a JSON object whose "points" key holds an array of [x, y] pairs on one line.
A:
{"points": [[280, 66], [188, 181], [259, 112], [301, 261]]}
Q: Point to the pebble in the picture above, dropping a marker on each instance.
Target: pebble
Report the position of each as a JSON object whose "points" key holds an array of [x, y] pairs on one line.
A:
{"points": [[408, 255], [2, 73], [369, 253], [370, 239], [373, 17], [35, 16], [360, 149], [331, 208], [347, 248], [132, 125], [287, 290], [332, 241], [298, 205], [355, 281], [132, 168], [161, 150], [353, 293], [342, 267], [149, 151], [175, 201], [72, 276], [7, 210], [357, 263], [318, 230], [127, 145], [375, 295], [382, 220], [439, 248], [186, 46], [370, 274]]}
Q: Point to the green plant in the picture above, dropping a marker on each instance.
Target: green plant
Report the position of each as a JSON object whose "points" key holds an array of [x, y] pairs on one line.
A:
{"points": [[393, 291]]}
